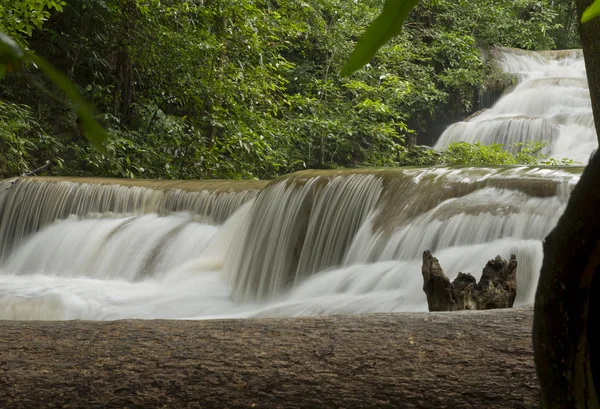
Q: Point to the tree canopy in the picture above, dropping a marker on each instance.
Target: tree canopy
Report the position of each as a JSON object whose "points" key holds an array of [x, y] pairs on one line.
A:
{"points": [[251, 89]]}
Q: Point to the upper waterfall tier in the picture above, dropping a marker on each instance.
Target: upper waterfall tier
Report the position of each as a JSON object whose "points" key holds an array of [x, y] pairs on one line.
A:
{"points": [[550, 103]]}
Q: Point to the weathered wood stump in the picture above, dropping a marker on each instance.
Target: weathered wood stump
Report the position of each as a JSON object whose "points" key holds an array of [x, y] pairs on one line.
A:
{"points": [[476, 359], [497, 287]]}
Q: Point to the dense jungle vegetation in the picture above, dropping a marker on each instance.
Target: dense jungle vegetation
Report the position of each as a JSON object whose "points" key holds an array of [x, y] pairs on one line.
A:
{"points": [[251, 89]]}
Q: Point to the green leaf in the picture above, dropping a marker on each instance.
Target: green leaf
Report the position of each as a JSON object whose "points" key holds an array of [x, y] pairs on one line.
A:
{"points": [[10, 52], [591, 12], [92, 130], [387, 25]]}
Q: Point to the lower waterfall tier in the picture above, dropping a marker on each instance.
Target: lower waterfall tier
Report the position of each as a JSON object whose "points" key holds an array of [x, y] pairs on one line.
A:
{"points": [[311, 243]]}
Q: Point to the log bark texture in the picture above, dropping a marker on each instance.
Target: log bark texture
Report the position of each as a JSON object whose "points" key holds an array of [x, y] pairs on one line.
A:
{"points": [[477, 359]]}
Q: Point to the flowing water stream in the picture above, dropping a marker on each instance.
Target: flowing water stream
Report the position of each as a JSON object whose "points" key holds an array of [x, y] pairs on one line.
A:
{"points": [[310, 243], [551, 103]]}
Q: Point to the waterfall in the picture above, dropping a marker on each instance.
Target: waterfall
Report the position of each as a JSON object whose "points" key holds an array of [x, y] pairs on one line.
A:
{"points": [[314, 242], [309, 243], [298, 226], [551, 103], [125, 248], [402, 214], [30, 204], [465, 215]]}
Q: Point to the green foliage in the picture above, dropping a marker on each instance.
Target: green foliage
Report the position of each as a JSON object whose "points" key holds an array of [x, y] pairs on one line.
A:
{"points": [[566, 29], [591, 12], [251, 88], [558, 162], [10, 53], [94, 133], [522, 23], [419, 156], [20, 17], [475, 154], [463, 153], [387, 25], [21, 138], [13, 57], [14, 121]]}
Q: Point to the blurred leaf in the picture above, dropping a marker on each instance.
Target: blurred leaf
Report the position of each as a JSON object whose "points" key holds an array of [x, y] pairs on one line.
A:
{"points": [[11, 54], [92, 130], [591, 12], [387, 25]]}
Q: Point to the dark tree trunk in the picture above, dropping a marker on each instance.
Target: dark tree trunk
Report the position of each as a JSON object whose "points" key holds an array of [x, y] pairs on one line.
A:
{"points": [[562, 309], [124, 94], [566, 352], [123, 66], [442, 360], [590, 42]]}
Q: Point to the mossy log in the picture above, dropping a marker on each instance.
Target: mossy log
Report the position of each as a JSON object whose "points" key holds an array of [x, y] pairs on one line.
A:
{"points": [[477, 359]]}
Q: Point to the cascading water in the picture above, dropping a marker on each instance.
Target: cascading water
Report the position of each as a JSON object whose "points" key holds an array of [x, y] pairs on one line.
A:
{"points": [[550, 103], [298, 227], [28, 205], [311, 243]]}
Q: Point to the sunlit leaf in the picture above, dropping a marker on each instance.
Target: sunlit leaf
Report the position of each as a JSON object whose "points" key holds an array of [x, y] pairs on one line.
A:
{"points": [[591, 12], [387, 25]]}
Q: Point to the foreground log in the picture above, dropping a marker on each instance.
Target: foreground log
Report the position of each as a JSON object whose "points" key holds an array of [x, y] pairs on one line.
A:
{"points": [[497, 287], [442, 360]]}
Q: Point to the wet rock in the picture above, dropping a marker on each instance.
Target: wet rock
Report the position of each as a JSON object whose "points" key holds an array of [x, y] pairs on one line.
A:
{"points": [[497, 287]]}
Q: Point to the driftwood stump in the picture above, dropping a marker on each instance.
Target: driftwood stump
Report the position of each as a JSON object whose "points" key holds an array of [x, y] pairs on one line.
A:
{"points": [[497, 287], [475, 359]]}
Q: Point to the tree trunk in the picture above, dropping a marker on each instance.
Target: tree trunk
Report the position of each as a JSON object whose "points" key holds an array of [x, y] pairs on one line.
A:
{"points": [[123, 97], [568, 295], [441, 360], [591, 51], [562, 305]]}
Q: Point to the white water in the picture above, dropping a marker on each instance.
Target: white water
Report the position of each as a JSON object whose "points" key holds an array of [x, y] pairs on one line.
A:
{"points": [[34, 203], [335, 255], [550, 103], [310, 244]]}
